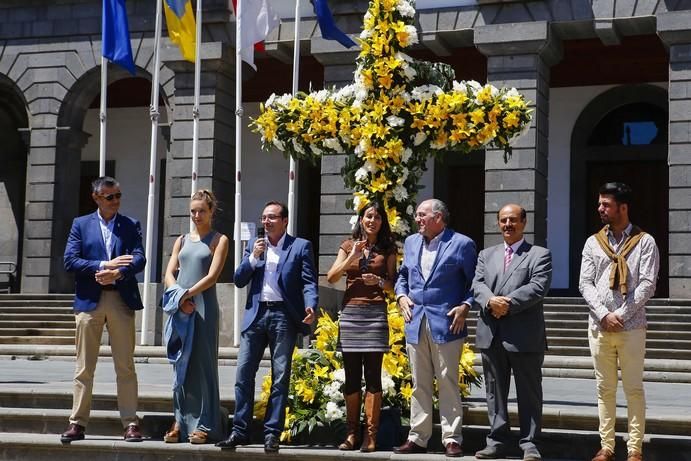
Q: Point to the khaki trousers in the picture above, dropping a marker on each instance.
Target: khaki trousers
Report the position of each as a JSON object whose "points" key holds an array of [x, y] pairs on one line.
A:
{"points": [[112, 312], [627, 348], [427, 361]]}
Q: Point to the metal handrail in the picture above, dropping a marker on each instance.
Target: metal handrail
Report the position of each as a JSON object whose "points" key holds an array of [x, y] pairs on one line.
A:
{"points": [[8, 268]]}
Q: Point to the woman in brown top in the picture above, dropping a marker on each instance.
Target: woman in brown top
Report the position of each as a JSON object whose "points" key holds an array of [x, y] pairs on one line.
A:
{"points": [[368, 260]]}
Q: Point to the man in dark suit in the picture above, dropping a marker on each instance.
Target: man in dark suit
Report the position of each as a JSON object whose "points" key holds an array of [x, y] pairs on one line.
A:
{"points": [[511, 280], [104, 251], [280, 304], [433, 293]]}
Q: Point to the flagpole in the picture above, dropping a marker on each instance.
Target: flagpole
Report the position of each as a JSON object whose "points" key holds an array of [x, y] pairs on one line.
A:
{"points": [[147, 334], [102, 117], [238, 167], [293, 174], [195, 108]]}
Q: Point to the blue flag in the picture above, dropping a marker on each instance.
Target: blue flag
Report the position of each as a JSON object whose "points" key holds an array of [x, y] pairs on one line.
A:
{"points": [[115, 35], [327, 26]]}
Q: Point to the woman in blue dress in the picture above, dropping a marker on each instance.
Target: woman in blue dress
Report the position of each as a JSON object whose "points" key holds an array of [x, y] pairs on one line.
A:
{"points": [[198, 259]]}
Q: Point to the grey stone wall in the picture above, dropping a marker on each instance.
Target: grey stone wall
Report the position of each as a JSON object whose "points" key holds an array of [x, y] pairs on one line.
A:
{"points": [[519, 55], [675, 30]]}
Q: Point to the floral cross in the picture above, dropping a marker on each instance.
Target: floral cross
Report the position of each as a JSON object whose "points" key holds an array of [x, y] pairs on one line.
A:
{"points": [[397, 113]]}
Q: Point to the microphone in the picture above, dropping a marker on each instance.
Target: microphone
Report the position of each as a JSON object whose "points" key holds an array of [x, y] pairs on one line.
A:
{"points": [[261, 233]]}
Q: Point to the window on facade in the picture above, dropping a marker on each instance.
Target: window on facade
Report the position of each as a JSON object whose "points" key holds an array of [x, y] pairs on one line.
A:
{"points": [[631, 125]]}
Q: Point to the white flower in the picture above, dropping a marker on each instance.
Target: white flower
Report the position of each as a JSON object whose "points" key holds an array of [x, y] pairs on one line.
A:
{"points": [[356, 206], [339, 375], [284, 99], [271, 100], [333, 144], [403, 57], [392, 120], [459, 87], [409, 72], [365, 34], [400, 193], [401, 227], [412, 34], [315, 150], [409, 210], [345, 93], [297, 146], [511, 93], [333, 412], [405, 9], [403, 176], [387, 384], [321, 95], [371, 166], [474, 85], [419, 138], [407, 153], [333, 391], [424, 92], [361, 174], [279, 144]]}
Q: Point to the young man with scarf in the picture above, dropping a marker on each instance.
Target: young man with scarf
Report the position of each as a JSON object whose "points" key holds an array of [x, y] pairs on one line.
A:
{"points": [[618, 276]]}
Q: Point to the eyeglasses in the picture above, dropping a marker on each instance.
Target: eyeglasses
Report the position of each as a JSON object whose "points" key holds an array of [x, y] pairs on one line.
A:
{"points": [[270, 217], [110, 197]]}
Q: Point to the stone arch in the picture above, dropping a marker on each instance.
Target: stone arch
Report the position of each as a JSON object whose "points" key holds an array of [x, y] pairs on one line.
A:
{"points": [[634, 164], [14, 125]]}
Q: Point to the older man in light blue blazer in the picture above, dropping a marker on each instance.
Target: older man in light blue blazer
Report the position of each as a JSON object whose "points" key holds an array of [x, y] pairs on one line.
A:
{"points": [[433, 293]]}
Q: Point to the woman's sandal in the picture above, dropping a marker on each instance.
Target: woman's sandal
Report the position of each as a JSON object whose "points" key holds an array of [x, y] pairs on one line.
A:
{"points": [[173, 434], [198, 437]]}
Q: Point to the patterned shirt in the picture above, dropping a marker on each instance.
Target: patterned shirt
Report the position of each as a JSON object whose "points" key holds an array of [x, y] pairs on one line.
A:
{"points": [[643, 262]]}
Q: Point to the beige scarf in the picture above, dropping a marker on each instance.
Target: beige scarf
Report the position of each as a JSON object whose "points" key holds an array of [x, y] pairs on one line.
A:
{"points": [[619, 270]]}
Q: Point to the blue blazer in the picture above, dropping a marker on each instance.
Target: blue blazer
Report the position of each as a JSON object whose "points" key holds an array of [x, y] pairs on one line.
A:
{"points": [[448, 284], [85, 250], [297, 281]]}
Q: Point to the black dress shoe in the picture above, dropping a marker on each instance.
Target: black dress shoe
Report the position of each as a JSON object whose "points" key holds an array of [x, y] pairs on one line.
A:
{"points": [[453, 450], [233, 440], [271, 444], [73, 432], [409, 448]]}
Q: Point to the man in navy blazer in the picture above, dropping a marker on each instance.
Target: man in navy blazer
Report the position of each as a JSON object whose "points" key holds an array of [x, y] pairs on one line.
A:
{"points": [[433, 293], [280, 304], [511, 281], [104, 251]]}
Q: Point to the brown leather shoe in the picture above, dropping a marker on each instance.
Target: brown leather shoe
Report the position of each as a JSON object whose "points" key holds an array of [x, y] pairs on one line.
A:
{"points": [[409, 448], [635, 456], [132, 434], [453, 450], [73, 432], [604, 455]]}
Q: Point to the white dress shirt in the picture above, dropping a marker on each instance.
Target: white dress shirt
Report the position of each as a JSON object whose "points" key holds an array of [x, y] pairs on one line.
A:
{"points": [[429, 254], [273, 254], [107, 234]]}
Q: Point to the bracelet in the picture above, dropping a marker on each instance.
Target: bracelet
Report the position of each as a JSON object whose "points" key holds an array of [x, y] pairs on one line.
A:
{"points": [[381, 282]]}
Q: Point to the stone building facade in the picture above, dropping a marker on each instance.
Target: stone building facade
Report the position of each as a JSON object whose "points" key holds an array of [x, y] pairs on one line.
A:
{"points": [[610, 81]]}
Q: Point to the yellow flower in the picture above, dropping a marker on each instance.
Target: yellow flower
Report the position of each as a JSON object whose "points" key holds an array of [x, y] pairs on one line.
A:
{"points": [[407, 391], [304, 390], [321, 372], [511, 119], [477, 116]]}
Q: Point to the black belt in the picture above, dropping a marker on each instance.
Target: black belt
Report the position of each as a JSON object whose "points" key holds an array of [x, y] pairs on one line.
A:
{"points": [[272, 304], [108, 288]]}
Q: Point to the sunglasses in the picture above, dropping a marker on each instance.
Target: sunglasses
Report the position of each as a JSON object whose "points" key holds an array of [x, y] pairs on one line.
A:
{"points": [[364, 261], [110, 197]]}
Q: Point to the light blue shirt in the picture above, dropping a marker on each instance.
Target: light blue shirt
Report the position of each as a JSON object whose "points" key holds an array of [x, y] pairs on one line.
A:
{"points": [[107, 234]]}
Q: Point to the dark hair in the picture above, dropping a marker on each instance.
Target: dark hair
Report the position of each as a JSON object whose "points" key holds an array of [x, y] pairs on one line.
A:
{"points": [[620, 191], [284, 208], [384, 238], [524, 215], [207, 196], [98, 184]]}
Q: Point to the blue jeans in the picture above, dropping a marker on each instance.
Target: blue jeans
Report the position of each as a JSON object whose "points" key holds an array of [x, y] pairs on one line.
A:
{"points": [[275, 328]]}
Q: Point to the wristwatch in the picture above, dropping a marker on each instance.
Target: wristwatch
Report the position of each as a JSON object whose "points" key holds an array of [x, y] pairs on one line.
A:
{"points": [[381, 282]]}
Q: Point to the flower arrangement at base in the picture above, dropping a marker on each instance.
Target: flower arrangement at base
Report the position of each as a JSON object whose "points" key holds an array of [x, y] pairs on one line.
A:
{"points": [[316, 383]]}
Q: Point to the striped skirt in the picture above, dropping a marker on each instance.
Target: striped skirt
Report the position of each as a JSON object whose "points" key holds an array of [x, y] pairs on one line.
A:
{"points": [[363, 328]]}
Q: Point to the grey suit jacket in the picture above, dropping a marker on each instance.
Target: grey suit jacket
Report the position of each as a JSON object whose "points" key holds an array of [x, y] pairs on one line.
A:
{"points": [[526, 282]]}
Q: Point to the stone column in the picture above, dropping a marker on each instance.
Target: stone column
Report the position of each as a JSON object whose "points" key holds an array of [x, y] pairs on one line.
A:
{"points": [[674, 28], [519, 55], [52, 189], [216, 146]]}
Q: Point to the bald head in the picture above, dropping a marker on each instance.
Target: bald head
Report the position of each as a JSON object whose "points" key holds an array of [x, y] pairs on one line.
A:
{"points": [[511, 220]]}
